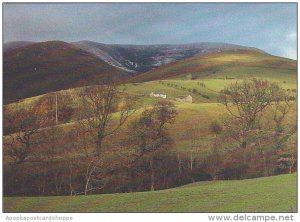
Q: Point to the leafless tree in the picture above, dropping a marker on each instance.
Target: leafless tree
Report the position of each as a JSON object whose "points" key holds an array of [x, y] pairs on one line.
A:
{"points": [[49, 153], [26, 123], [99, 103], [216, 128], [149, 132], [287, 161], [81, 159], [248, 103], [215, 157], [284, 101], [245, 101]]}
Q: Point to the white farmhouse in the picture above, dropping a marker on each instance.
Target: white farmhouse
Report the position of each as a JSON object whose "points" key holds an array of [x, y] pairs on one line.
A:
{"points": [[158, 94]]}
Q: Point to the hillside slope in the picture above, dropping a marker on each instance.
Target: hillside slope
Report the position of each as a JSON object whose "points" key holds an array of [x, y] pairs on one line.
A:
{"points": [[50, 66], [229, 64], [268, 194]]}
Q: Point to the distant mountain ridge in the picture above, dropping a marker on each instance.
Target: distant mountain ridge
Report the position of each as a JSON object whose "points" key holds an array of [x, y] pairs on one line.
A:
{"points": [[31, 69], [142, 58]]}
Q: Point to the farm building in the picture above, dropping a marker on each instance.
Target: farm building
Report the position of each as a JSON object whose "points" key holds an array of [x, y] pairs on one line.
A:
{"points": [[186, 98], [158, 94]]}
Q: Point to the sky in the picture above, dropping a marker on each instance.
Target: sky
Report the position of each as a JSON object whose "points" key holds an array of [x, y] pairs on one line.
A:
{"points": [[271, 27]]}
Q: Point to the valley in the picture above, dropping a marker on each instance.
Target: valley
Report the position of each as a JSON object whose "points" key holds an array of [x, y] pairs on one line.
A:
{"points": [[53, 79]]}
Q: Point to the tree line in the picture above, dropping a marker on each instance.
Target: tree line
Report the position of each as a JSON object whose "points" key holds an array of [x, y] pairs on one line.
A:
{"points": [[42, 158]]}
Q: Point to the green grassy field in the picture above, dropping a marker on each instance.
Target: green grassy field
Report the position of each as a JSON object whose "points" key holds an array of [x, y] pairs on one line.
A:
{"points": [[267, 194], [233, 64]]}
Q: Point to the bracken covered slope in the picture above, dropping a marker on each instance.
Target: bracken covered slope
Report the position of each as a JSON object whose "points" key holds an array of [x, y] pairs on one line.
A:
{"points": [[49, 66]]}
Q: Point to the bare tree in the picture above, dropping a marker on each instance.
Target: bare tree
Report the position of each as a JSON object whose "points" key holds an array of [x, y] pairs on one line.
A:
{"points": [[73, 166], [284, 101], [49, 153], [245, 101], [215, 159], [149, 132], [27, 124], [287, 162], [248, 104], [98, 105], [192, 134], [74, 163], [216, 128], [82, 160], [92, 175]]}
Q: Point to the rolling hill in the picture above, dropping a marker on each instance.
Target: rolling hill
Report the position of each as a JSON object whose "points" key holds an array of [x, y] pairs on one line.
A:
{"points": [[142, 58], [208, 74], [214, 71], [38, 68], [252, 195], [227, 65], [49, 66], [9, 46]]}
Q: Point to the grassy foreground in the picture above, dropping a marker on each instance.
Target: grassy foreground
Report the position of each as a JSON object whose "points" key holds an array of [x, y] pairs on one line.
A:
{"points": [[268, 194]]}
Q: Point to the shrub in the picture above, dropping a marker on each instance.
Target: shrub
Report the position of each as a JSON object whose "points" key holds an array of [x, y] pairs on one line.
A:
{"points": [[232, 172]]}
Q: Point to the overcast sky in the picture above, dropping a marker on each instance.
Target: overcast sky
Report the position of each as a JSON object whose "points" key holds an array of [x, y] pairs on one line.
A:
{"points": [[271, 26]]}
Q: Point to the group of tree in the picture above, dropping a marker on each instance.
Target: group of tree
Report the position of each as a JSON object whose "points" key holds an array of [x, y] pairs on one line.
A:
{"points": [[190, 90], [257, 121], [42, 158], [77, 154]]}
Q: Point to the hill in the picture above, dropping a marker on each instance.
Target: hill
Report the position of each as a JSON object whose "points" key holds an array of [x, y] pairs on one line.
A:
{"points": [[210, 74], [37, 68], [49, 66], [9, 46], [268, 194], [142, 58], [203, 80], [227, 65]]}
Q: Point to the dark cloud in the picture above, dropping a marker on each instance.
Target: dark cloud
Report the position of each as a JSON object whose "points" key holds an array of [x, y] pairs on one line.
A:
{"points": [[266, 26]]}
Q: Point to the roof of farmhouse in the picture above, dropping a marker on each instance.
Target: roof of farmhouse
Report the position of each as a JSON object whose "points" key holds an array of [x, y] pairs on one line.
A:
{"points": [[182, 96], [157, 92]]}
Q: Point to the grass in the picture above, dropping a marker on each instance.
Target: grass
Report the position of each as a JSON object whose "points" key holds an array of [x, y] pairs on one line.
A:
{"points": [[237, 64], [267, 194], [199, 118]]}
